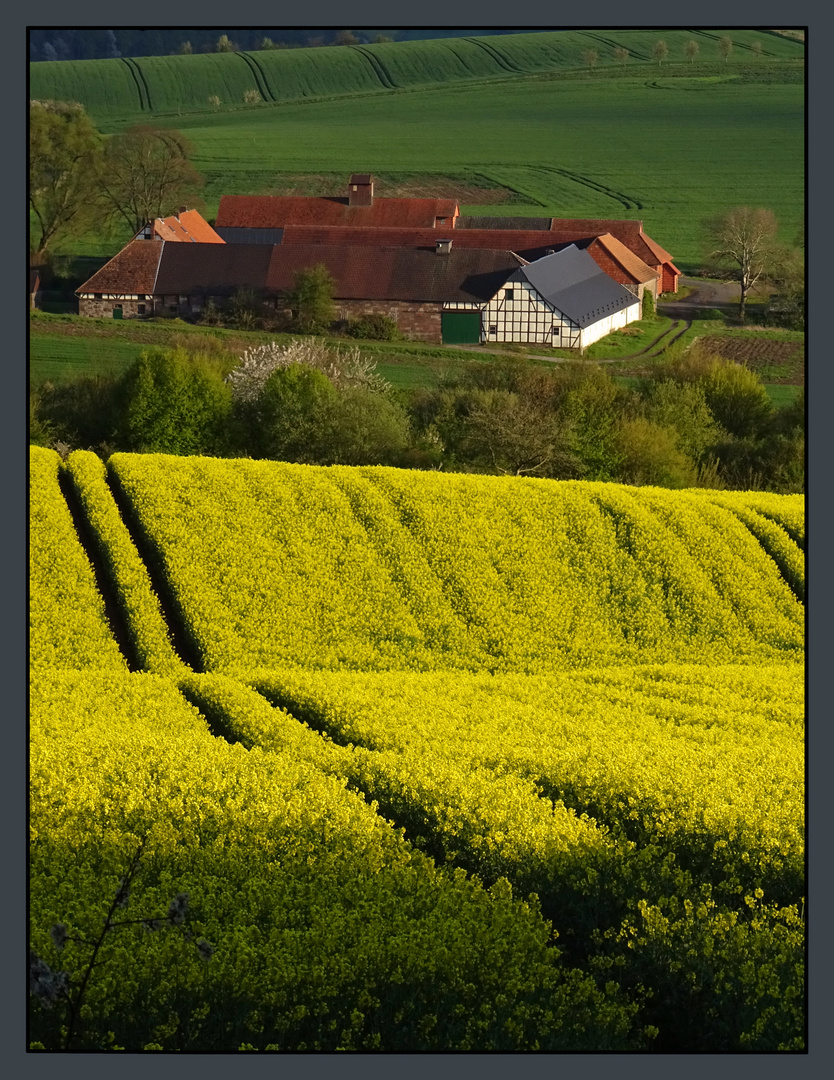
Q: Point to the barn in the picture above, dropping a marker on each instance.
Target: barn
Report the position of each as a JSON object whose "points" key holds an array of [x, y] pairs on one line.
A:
{"points": [[564, 299], [439, 294]]}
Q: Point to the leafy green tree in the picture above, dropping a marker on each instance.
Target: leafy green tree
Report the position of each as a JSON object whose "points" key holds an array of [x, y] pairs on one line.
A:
{"points": [[311, 300], [682, 407], [290, 419], [147, 174], [509, 433], [224, 45], [65, 156], [591, 405], [660, 51], [691, 48], [174, 402], [725, 47], [737, 399], [365, 428], [81, 412], [650, 453]]}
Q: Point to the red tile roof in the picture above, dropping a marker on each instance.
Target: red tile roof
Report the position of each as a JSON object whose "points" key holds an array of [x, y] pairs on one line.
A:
{"points": [[492, 239], [188, 225], [628, 232], [133, 270], [212, 269], [278, 211], [386, 273]]}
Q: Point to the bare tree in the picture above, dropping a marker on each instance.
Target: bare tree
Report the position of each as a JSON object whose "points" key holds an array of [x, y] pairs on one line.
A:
{"points": [[591, 57], [147, 174], [660, 51], [725, 47], [691, 48], [756, 49], [745, 238], [621, 54]]}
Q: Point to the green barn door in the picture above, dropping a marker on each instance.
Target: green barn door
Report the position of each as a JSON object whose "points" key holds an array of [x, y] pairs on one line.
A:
{"points": [[461, 327]]}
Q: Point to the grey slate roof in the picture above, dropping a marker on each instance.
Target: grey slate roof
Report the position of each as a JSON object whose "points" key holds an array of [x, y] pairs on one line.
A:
{"points": [[573, 283], [485, 222], [250, 236]]}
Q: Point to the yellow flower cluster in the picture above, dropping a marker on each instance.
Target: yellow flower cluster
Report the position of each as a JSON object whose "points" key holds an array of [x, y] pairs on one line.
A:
{"points": [[582, 691], [67, 622], [705, 762], [382, 569], [329, 930]]}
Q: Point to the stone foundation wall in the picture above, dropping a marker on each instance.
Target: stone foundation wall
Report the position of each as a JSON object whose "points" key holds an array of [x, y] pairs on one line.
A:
{"points": [[418, 321], [103, 309]]}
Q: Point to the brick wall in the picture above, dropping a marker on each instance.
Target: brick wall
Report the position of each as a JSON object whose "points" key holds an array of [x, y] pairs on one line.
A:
{"points": [[670, 280], [415, 320], [616, 273]]}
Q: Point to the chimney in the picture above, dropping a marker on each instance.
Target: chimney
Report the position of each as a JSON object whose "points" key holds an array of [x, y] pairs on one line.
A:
{"points": [[361, 190], [443, 247]]}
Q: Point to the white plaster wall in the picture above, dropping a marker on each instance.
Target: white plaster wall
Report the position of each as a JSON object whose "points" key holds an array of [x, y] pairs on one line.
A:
{"points": [[607, 325]]}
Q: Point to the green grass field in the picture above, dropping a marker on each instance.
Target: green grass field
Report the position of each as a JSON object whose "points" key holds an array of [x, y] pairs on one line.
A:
{"points": [[669, 144]]}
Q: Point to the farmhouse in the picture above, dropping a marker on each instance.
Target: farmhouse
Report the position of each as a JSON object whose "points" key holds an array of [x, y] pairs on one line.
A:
{"points": [[610, 254], [271, 219], [441, 277], [437, 294]]}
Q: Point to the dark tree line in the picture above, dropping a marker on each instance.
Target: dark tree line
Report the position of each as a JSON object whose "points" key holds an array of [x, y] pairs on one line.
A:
{"points": [[88, 44]]}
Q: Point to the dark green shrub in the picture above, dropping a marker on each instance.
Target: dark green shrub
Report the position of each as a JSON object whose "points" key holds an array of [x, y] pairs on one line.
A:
{"points": [[374, 328]]}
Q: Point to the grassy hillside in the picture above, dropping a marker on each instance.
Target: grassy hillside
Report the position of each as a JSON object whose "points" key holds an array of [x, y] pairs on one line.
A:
{"points": [[117, 88], [521, 117]]}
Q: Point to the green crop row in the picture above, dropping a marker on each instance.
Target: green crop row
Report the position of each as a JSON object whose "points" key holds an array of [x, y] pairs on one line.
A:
{"points": [[173, 83], [379, 568], [326, 930], [68, 626]]}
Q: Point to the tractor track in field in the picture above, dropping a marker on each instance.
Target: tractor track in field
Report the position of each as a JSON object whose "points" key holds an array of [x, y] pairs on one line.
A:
{"points": [[106, 587]]}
